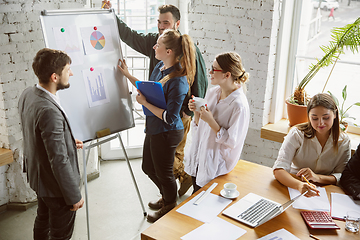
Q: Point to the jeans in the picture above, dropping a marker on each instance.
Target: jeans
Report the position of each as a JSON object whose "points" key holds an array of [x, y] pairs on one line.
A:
{"points": [[158, 161], [54, 219]]}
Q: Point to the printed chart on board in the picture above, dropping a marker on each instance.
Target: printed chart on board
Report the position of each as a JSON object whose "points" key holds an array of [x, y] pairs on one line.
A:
{"points": [[97, 39], [96, 88], [67, 40]]}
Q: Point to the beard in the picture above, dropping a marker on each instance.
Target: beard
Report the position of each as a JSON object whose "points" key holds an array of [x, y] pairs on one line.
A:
{"points": [[61, 86], [162, 30]]}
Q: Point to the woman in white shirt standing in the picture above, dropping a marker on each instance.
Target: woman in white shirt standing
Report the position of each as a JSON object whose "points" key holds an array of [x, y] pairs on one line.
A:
{"points": [[317, 150], [219, 129]]}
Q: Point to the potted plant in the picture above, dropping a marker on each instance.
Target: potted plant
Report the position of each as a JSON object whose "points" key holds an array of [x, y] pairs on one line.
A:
{"points": [[343, 115], [342, 37]]}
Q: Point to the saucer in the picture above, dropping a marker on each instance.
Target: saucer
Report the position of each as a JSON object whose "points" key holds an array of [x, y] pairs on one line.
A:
{"points": [[222, 193]]}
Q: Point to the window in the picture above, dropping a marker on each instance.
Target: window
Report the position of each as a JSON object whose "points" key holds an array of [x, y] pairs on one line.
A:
{"points": [[308, 27], [318, 23], [140, 15]]}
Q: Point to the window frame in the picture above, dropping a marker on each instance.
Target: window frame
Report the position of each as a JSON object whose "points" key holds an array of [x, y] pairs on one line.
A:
{"points": [[107, 152], [286, 52]]}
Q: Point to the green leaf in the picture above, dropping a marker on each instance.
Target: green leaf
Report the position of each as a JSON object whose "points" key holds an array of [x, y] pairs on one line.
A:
{"points": [[351, 118], [344, 94], [341, 37], [335, 99]]}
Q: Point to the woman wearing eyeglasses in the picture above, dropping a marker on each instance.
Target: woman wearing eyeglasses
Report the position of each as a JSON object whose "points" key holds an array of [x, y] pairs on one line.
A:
{"points": [[219, 129]]}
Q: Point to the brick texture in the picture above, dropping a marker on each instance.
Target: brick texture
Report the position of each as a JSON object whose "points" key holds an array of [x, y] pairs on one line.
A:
{"points": [[248, 27], [20, 38]]}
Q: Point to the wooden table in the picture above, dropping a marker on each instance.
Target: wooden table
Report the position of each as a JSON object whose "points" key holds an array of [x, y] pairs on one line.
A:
{"points": [[249, 177]]}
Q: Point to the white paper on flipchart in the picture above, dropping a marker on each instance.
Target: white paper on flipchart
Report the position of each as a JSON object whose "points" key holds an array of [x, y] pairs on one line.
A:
{"points": [[281, 234], [217, 229], [316, 203], [207, 210], [341, 204]]}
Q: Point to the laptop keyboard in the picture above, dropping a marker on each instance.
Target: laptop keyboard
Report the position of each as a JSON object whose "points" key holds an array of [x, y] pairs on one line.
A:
{"points": [[257, 211]]}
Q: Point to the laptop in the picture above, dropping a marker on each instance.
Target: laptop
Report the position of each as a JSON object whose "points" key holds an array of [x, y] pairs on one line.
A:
{"points": [[254, 210]]}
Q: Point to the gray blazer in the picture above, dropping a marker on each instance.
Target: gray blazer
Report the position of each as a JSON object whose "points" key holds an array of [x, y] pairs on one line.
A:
{"points": [[50, 155]]}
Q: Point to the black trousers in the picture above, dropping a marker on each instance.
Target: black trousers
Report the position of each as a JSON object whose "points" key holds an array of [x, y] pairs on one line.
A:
{"points": [[195, 186], [158, 162], [54, 219]]}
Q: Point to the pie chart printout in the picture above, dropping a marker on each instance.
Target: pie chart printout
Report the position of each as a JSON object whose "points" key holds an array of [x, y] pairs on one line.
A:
{"points": [[97, 40]]}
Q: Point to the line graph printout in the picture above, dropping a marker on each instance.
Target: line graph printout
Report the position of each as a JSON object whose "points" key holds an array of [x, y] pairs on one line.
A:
{"points": [[97, 39], [96, 87], [67, 40]]}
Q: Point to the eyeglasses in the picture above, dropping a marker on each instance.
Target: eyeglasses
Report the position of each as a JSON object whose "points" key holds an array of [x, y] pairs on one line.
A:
{"points": [[214, 70]]}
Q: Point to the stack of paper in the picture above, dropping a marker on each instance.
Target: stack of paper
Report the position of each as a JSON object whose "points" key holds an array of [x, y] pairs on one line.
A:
{"points": [[341, 204], [278, 235], [317, 203], [207, 210], [215, 230]]}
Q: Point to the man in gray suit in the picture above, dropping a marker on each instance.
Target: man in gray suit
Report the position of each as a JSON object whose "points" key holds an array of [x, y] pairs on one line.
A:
{"points": [[50, 150]]}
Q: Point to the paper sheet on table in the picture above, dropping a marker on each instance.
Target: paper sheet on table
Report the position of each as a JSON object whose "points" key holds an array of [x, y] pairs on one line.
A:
{"points": [[317, 203], [207, 210], [281, 234], [341, 204], [216, 229]]}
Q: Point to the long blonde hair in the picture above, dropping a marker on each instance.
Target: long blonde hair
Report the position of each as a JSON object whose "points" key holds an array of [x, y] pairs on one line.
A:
{"points": [[184, 51]]}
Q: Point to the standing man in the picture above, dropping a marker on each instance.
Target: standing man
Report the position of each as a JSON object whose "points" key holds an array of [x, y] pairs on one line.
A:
{"points": [[169, 18], [50, 150]]}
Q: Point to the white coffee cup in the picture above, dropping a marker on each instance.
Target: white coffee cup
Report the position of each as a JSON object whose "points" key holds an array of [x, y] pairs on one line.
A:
{"points": [[352, 221], [199, 102], [230, 189]]}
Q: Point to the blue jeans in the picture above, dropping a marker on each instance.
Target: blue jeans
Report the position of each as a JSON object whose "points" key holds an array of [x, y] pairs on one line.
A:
{"points": [[54, 219], [158, 162]]}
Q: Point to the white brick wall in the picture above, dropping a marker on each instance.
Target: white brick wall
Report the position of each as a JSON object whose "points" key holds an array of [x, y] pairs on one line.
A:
{"points": [[20, 38], [250, 28]]}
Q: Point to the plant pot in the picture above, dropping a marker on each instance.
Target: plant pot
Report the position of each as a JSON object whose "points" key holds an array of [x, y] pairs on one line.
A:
{"points": [[296, 113], [344, 126]]}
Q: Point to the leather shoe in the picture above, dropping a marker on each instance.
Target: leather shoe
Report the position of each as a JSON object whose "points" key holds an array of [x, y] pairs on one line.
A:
{"points": [[153, 217], [185, 185], [156, 205]]}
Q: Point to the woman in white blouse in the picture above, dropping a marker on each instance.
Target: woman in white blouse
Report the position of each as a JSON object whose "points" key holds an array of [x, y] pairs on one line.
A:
{"points": [[219, 129], [317, 150]]}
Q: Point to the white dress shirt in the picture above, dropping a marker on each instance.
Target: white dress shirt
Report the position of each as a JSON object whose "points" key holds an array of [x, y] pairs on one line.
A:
{"points": [[211, 154], [55, 97], [299, 152]]}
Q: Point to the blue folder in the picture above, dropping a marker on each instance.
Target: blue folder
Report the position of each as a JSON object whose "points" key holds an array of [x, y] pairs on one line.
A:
{"points": [[154, 93]]}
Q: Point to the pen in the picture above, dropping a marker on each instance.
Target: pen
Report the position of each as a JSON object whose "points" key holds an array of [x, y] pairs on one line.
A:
{"points": [[103, 5], [312, 236], [306, 179], [308, 182]]}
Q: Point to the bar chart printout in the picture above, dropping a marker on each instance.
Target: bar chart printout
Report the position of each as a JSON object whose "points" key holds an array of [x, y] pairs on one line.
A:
{"points": [[95, 85]]}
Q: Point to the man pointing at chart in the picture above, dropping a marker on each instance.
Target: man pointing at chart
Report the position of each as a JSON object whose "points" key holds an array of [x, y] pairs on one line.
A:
{"points": [[169, 18]]}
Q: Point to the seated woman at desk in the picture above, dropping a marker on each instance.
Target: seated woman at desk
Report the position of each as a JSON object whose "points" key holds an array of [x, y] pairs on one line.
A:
{"points": [[316, 150], [219, 129], [165, 130], [350, 178]]}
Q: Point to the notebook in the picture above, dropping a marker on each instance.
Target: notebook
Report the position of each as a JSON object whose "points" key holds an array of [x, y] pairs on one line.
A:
{"points": [[254, 210]]}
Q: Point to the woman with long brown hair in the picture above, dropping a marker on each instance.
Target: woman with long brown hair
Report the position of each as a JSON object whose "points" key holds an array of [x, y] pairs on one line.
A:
{"points": [[164, 130], [316, 150]]}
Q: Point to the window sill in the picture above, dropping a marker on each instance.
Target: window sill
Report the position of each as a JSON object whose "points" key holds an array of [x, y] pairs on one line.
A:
{"points": [[277, 131]]}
